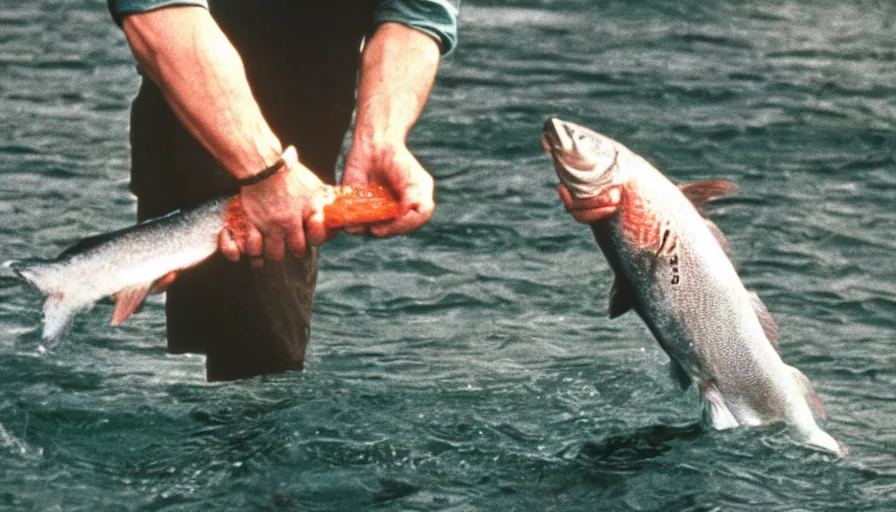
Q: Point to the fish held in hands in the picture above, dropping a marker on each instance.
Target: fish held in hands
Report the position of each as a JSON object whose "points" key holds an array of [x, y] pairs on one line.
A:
{"points": [[127, 263], [672, 268]]}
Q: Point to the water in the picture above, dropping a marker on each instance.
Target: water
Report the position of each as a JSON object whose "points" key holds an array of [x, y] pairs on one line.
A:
{"points": [[471, 366]]}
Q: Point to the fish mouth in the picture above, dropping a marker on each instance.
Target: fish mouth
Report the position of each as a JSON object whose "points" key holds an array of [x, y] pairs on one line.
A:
{"points": [[555, 136], [583, 170]]}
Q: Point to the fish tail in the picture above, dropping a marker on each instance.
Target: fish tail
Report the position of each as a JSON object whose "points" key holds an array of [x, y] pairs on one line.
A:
{"points": [[58, 312], [33, 271], [58, 317]]}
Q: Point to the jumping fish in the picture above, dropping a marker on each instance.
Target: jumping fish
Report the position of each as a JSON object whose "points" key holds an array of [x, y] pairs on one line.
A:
{"points": [[672, 268]]}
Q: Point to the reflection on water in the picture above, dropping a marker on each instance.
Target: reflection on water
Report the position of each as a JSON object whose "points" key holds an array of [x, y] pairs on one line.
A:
{"points": [[471, 365]]}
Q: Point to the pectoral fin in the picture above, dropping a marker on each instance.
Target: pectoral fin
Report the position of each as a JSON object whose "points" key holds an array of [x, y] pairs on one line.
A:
{"points": [[719, 413], [679, 375], [129, 300], [809, 392], [621, 298]]}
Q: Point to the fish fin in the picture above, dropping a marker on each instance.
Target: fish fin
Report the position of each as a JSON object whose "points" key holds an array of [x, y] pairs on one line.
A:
{"points": [[720, 414], [702, 192], [809, 392], [765, 318], [128, 300], [35, 272], [679, 375], [58, 313], [719, 236], [58, 317], [621, 299]]}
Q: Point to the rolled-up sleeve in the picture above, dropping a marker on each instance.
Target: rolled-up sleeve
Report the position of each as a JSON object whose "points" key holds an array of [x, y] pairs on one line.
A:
{"points": [[438, 18], [121, 8]]}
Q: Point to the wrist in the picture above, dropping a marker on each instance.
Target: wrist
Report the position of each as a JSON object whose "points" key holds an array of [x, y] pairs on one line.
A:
{"points": [[288, 158], [379, 146]]}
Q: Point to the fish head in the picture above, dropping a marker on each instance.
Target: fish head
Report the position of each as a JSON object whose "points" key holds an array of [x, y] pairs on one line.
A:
{"points": [[585, 161]]}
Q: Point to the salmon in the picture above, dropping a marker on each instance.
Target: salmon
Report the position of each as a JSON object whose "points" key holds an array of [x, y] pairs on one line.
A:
{"points": [[126, 263], [672, 267]]}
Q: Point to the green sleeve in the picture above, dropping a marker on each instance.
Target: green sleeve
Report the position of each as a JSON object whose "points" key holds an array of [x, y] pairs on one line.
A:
{"points": [[438, 18], [121, 8]]}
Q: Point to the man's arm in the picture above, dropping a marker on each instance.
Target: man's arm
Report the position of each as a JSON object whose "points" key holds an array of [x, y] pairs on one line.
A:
{"points": [[202, 76], [398, 68]]}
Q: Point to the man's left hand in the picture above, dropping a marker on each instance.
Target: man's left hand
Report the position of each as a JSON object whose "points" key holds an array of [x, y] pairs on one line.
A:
{"points": [[394, 167]]}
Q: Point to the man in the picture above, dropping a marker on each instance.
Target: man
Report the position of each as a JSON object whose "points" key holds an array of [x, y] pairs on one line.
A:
{"points": [[228, 89]]}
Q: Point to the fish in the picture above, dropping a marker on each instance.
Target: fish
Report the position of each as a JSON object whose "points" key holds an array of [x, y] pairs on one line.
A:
{"points": [[127, 263], [672, 268]]}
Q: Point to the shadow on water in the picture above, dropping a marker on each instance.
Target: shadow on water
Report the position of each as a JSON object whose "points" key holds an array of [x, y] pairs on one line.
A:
{"points": [[632, 451]]}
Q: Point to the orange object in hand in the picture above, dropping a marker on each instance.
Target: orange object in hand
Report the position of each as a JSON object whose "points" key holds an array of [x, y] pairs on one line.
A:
{"points": [[350, 205], [360, 204]]}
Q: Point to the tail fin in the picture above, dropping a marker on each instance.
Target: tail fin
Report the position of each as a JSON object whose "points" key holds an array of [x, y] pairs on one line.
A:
{"points": [[58, 313], [33, 271], [58, 316]]}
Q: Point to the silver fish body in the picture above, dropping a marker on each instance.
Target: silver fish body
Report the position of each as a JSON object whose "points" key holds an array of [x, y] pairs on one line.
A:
{"points": [[672, 268], [123, 263]]}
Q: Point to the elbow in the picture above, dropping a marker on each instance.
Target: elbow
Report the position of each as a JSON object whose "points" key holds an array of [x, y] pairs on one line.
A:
{"points": [[173, 42], [406, 43]]}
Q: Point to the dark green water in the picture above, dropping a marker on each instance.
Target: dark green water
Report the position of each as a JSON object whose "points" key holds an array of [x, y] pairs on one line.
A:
{"points": [[471, 366]]}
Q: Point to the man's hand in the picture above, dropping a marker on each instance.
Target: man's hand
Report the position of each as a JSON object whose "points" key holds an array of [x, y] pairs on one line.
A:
{"points": [[591, 209], [398, 68], [285, 212], [397, 169]]}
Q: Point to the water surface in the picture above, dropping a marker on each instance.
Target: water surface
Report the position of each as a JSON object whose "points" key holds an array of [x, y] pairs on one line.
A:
{"points": [[471, 366]]}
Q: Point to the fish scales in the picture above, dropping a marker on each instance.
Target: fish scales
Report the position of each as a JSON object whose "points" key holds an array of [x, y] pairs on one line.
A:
{"points": [[127, 263], [673, 270]]}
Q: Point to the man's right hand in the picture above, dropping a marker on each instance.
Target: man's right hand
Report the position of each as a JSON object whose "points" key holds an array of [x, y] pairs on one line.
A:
{"points": [[285, 213]]}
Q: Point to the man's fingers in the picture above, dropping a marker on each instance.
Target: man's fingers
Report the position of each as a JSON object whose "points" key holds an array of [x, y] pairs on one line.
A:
{"points": [[417, 207], [295, 241], [411, 221], [228, 246], [274, 248], [253, 244], [357, 230], [316, 231]]}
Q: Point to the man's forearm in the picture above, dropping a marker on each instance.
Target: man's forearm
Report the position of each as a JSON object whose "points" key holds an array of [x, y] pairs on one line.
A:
{"points": [[398, 69], [185, 53]]}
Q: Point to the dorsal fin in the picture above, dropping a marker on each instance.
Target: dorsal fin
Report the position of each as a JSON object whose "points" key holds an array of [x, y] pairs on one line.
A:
{"points": [[765, 318], [621, 298], [720, 237], [702, 192]]}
